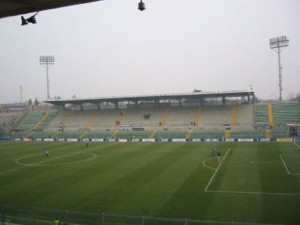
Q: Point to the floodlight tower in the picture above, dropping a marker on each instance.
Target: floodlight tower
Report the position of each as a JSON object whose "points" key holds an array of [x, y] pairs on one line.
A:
{"points": [[21, 93], [47, 61], [278, 44]]}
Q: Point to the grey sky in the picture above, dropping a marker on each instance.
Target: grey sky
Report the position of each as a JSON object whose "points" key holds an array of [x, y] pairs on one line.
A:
{"points": [[109, 48]]}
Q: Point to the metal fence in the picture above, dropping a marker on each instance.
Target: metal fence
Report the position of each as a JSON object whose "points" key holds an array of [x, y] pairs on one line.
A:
{"points": [[11, 215]]}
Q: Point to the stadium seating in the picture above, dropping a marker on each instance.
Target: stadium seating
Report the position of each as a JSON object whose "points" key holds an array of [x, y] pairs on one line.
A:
{"points": [[30, 120], [286, 113], [165, 121], [261, 115]]}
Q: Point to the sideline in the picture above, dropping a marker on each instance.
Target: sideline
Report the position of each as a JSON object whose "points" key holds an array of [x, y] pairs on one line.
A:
{"points": [[213, 176], [255, 193]]}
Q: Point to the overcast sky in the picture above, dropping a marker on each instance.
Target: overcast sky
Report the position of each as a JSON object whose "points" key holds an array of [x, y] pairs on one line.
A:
{"points": [[109, 48]]}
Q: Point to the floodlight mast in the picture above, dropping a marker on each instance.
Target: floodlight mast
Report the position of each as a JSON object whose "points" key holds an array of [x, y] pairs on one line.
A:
{"points": [[278, 44], [47, 61]]}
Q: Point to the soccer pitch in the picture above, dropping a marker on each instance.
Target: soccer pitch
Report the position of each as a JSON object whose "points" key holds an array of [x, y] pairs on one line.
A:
{"points": [[252, 182]]}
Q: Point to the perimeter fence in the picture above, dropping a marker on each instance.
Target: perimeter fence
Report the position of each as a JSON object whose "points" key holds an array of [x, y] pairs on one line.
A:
{"points": [[11, 215]]}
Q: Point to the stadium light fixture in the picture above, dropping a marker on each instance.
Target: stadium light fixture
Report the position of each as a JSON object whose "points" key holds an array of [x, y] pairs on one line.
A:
{"points": [[141, 5], [47, 61], [278, 44], [31, 19]]}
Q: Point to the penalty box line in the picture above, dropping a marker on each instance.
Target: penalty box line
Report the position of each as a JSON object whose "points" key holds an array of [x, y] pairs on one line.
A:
{"points": [[296, 145], [213, 176], [286, 168]]}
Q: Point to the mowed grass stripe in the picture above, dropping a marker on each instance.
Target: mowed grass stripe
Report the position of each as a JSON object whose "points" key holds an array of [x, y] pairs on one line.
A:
{"points": [[82, 182], [189, 199], [158, 179], [155, 183], [47, 179], [10, 155], [255, 168], [239, 171], [120, 179], [274, 178]]}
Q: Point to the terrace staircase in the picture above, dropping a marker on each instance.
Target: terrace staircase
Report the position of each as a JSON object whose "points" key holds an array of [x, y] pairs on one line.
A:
{"points": [[152, 135], [233, 115], [198, 117], [67, 117], [164, 117], [65, 120], [83, 134], [89, 122], [41, 120], [227, 134], [188, 134], [91, 119], [120, 118], [270, 114], [54, 134], [113, 135], [268, 133]]}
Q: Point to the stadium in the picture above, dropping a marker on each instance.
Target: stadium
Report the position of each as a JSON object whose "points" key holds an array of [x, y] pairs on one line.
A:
{"points": [[230, 116], [142, 157], [194, 158]]}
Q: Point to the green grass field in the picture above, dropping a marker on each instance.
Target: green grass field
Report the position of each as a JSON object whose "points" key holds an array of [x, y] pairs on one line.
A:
{"points": [[253, 182]]}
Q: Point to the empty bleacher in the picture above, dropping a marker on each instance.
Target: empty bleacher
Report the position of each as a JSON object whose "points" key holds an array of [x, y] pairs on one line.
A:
{"points": [[30, 120], [286, 113], [165, 121], [277, 117], [261, 115]]}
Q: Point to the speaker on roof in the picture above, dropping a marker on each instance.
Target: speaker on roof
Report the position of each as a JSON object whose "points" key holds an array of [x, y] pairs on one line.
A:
{"points": [[24, 22], [29, 20], [141, 6]]}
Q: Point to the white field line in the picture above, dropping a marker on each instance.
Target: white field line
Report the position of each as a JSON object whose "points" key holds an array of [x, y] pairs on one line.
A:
{"points": [[40, 163], [203, 163], [255, 192], [7, 171], [285, 166], [213, 176], [297, 145]]}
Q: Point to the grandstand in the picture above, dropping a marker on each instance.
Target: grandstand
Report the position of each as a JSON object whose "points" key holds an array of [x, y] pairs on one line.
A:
{"points": [[10, 116], [180, 118]]}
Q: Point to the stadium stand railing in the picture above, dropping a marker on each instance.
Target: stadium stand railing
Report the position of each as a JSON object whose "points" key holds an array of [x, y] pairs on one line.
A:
{"points": [[38, 216]]}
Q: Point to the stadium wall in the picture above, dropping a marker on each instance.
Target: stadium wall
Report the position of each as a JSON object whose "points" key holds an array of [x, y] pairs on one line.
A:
{"points": [[174, 140]]}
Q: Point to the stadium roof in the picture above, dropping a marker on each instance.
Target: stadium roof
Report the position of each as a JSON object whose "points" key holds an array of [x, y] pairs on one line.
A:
{"points": [[18, 7], [194, 96]]}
